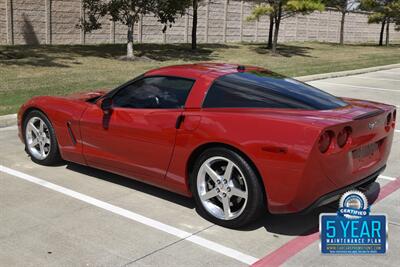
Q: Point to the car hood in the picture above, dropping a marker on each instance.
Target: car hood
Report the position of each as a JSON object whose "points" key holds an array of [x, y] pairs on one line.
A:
{"points": [[85, 96]]}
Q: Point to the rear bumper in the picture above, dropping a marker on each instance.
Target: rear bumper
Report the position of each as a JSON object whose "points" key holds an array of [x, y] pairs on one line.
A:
{"points": [[335, 195]]}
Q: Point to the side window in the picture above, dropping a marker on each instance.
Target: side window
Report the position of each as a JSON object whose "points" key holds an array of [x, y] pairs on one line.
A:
{"points": [[267, 90], [238, 94], [154, 92]]}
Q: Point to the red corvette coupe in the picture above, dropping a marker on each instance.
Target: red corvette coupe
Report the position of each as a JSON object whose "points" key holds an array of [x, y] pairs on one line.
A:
{"points": [[239, 139]]}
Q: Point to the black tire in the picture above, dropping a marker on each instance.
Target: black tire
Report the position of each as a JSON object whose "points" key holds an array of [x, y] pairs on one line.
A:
{"points": [[53, 156], [255, 205]]}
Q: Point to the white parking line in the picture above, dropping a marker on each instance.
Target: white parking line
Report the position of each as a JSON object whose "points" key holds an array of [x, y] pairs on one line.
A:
{"points": [[372, 78], [136, 217], [390, 72], [362, 87], [394, 223], [387, 177]]}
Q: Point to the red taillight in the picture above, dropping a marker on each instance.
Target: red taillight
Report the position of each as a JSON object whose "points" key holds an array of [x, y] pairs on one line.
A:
{"points": [[325, 141], [343, 136]]}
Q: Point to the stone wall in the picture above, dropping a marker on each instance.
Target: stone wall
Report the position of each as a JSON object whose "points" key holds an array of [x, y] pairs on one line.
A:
{"points": [[54, 22], [3, 23]]}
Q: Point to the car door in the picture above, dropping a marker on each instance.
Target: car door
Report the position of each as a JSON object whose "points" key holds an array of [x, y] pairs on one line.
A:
{"points": [[138, 136]]}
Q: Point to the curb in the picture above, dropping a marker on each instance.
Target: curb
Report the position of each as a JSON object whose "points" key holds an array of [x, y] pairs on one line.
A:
{"points": [[11, 119], [322, 76]]}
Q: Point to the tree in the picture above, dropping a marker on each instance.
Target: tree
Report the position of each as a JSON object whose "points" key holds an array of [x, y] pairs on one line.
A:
{"points": [[128, 12], [344, 7], [396, 8], [383, 12], [261, 10], [195, 5], [194, 24], [283, 9]]}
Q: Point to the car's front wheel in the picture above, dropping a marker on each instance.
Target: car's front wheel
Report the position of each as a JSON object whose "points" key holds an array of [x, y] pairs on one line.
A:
{"points": [[226, 188], [40, 139]]}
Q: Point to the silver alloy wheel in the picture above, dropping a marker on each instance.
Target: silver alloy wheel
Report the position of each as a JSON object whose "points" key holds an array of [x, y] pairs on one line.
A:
{"points": [[38, 138], [222, 188]]}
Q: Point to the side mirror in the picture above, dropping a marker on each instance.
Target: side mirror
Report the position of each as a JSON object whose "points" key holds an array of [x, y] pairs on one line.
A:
{"points": [[106, 105]]}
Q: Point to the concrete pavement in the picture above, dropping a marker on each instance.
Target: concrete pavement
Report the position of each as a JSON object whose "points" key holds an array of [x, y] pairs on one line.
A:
{"points": [[41, 226]]}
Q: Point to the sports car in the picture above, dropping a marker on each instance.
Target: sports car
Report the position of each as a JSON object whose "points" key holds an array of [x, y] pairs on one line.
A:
{"points": [[240, 140]]}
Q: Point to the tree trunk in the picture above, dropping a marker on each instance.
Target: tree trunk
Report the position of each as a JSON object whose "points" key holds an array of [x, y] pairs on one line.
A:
{"points": [[278, 17], [129, 50], [194, 25], [382, 30], [387, 32], [341, 41], [271, 31]]}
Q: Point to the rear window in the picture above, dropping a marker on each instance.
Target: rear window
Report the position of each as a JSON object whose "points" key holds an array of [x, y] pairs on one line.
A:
{"points": [[267, 90]]}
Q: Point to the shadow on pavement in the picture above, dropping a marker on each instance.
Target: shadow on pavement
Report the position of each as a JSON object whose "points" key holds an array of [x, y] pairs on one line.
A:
{"points": [[133, 184], [285, 224], [304, 224]]}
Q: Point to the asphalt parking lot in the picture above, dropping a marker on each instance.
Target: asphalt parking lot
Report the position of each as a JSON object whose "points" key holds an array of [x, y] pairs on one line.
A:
{"points": [[78, 216]]}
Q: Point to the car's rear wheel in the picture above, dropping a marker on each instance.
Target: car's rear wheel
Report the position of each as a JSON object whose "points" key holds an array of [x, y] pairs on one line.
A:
{"points": [[226, 188], [40, 139]]}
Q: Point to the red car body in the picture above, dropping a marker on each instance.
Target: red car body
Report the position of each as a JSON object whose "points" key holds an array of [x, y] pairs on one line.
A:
{"points": [[281, 144]]}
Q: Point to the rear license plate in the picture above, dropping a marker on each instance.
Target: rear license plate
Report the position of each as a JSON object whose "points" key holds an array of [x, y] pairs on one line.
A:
{"points": [[365, 151]]}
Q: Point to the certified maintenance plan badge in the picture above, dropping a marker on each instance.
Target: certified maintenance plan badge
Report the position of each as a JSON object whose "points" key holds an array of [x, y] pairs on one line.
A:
{"points": [[353, 230]]}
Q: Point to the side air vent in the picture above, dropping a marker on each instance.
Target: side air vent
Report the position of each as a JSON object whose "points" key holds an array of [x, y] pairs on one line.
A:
{"points": [[71, 134]]}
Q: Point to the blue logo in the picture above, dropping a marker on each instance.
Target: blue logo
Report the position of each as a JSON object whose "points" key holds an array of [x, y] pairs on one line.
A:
{"points": [[353, 205], [353, 230]]}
